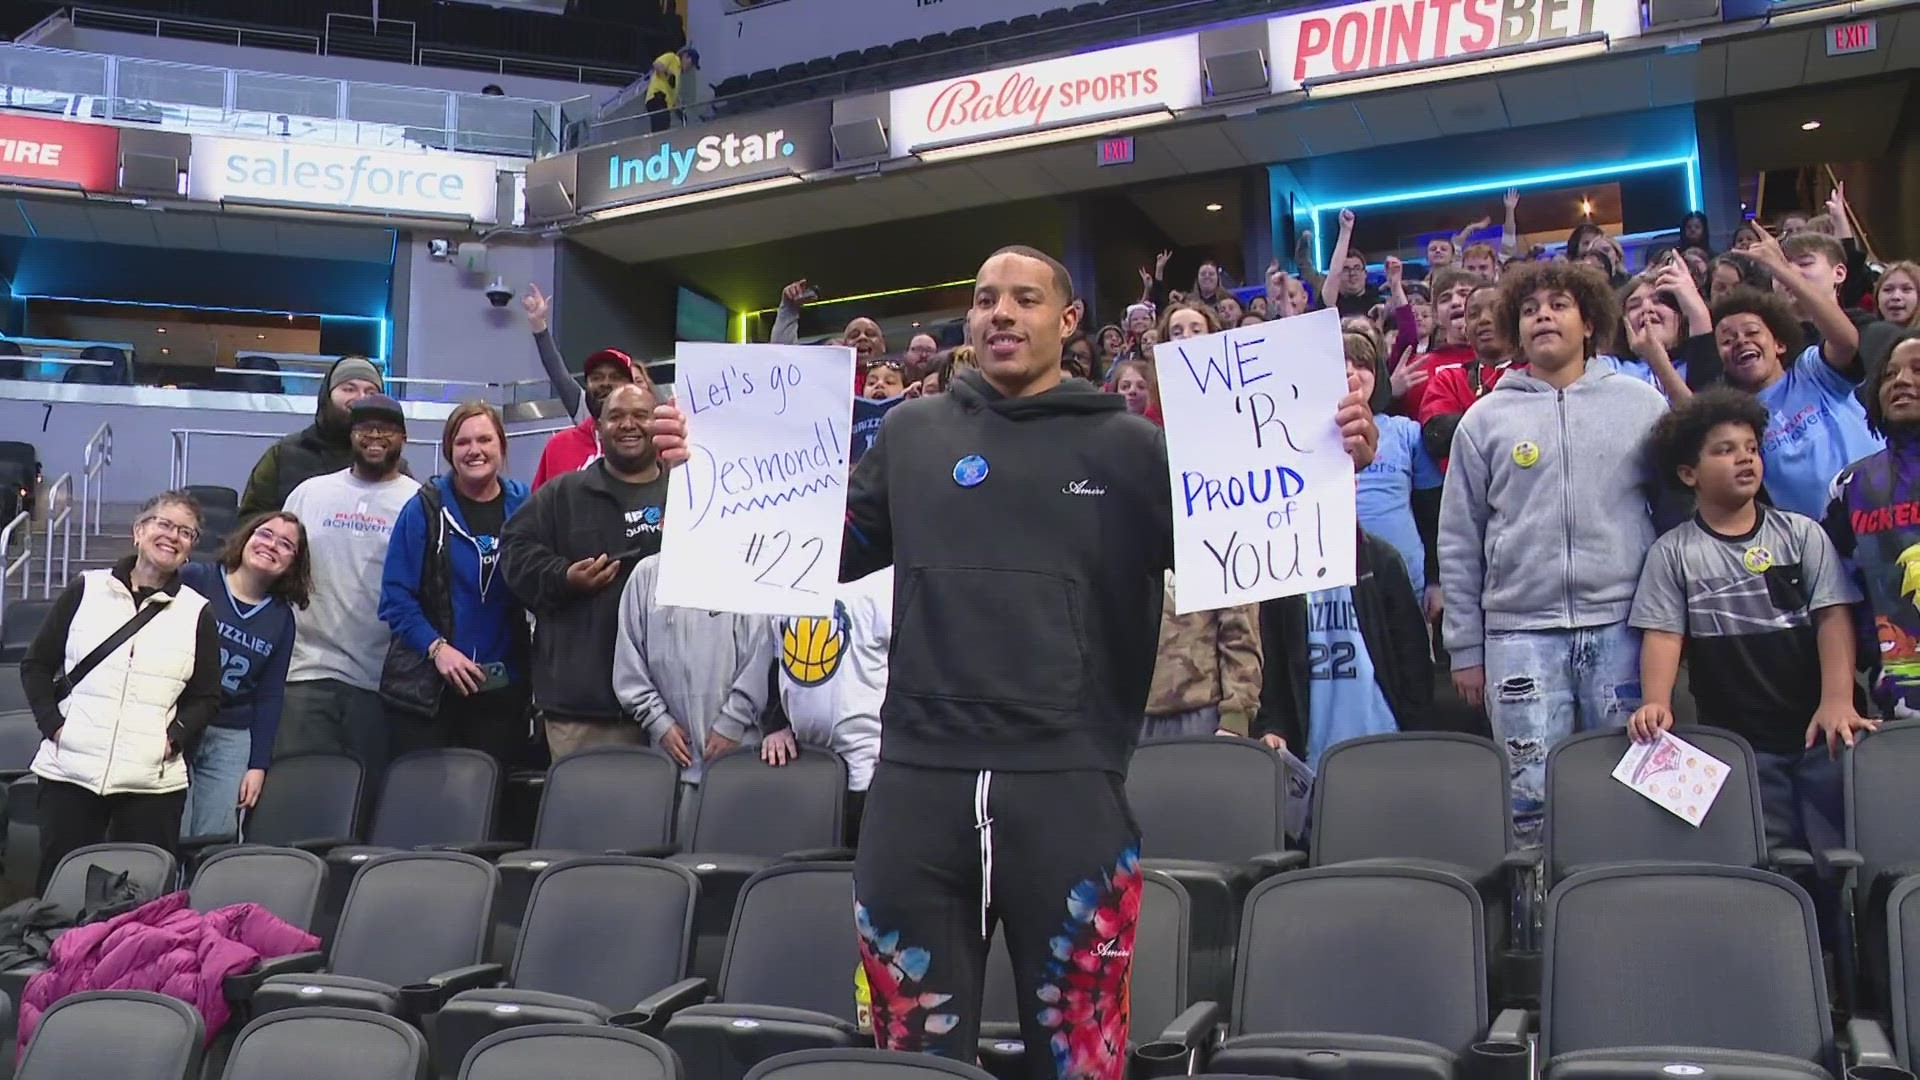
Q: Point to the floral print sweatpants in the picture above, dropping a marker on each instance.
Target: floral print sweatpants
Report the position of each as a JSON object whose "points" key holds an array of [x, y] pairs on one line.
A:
{"points": [[1052, 859]]}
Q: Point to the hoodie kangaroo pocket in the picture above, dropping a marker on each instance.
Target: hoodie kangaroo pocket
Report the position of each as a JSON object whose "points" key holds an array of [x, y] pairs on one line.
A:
{"points": [[1012, 639]]}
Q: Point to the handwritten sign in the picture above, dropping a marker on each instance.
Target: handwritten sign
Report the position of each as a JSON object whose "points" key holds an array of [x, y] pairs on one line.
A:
{"points": [[754, 517], [1263, 502]]}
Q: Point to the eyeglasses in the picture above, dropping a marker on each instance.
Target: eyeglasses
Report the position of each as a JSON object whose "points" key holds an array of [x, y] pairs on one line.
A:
{"points": [[280, 543], [172, 528]]}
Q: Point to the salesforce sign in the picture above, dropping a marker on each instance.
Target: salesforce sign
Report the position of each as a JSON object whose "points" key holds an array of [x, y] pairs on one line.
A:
{"points": [[750, 147], [343, 177]]}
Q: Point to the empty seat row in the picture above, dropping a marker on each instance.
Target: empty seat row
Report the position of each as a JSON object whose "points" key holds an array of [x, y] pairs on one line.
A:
{"points": [[1369, 971]]}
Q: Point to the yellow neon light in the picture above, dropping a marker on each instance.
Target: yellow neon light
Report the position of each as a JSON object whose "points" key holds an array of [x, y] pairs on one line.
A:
{"points": [[868, 296]]}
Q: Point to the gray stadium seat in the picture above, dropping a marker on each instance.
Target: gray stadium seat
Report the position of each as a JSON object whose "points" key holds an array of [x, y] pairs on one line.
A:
{"points": [[750, 815], [327, 1044], [285, 881], [1374, 968], [1594, 820], [1163, 1012], [20, 740], [117, 1034], [1655, 969], [1883, 844], [608, 799], [787, 980], [605, 935], [862, 1065], [570, 1051], [1212, 813], [413, 927]]}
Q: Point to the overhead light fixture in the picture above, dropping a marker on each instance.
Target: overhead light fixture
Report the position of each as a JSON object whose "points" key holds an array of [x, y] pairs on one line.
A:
{"points": [[1586, 207], [159, 329], [259, 337], [724, 191], [1214, 208], [1043, 136], [1490, 62], [1811, 125], [165, 351]]}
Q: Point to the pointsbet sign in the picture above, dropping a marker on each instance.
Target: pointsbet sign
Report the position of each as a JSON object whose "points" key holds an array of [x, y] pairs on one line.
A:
{"points": [[342, 177], [754, 146], [1358, 38]]}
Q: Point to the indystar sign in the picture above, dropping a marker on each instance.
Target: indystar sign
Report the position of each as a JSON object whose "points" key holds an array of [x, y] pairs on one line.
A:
{"points": [[792, 140]]}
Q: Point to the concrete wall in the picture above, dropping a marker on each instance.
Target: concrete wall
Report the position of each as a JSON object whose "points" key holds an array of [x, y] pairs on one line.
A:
{"points": [[447, 327]]}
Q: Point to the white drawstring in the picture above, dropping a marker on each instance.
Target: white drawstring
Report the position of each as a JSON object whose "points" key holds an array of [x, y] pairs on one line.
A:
{"points": [[983, 824]]}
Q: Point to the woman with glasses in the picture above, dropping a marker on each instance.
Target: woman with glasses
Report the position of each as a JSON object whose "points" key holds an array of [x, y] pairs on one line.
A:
{"points": [[262, 575], [122, 678]]}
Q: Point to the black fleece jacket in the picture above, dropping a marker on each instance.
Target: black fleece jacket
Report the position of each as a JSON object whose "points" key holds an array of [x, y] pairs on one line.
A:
{"points": [[1026, 605]]}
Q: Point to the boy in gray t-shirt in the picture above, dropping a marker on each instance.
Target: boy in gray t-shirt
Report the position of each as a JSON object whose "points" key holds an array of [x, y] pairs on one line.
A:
{"points": [[1758, 599]]}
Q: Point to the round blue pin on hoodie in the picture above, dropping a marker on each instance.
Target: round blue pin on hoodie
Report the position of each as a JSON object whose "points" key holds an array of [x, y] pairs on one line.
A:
{"points": [[970, 470]]}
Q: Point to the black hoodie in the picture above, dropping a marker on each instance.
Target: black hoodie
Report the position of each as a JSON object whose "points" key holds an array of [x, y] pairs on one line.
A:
{"points": [[320, 448], [1026, 604]]}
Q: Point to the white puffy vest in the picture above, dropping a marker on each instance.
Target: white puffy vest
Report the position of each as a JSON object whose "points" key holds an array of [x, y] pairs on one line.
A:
{"points": [[114, 741]]}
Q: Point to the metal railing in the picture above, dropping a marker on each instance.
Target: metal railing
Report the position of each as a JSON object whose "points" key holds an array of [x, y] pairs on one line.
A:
{"points": [[64, 522], [94, 461], [8, 569], [167, 26], [183, 446], [196, 98]]}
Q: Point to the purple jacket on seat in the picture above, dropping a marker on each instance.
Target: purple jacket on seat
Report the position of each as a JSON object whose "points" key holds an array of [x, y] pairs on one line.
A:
{"points": [[164, 947]]}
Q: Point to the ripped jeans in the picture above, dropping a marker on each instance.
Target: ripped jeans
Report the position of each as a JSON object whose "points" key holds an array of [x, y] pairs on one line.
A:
{"points": [[1544, 685]]}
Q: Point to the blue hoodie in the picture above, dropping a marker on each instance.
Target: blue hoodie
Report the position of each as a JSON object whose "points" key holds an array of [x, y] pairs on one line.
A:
{"points": [[487, 622]]}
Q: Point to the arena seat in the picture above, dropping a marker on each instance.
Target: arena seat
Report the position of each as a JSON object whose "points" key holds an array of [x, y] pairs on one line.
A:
{"points": [[327, 1044], [605, 935], [1739, 990], [124, 1034], [787, 980], [412, 930], [1374, 969]]}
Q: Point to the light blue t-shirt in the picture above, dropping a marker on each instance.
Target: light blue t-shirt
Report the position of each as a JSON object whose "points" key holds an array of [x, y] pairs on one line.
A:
{"points": [[1642, 370], [1816, 428], [1343, 697], [1384, 492]]}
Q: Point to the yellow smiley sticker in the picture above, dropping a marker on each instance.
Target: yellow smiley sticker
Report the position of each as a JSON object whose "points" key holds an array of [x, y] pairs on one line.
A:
{"points": [[1526, 454], [1758, 559]]}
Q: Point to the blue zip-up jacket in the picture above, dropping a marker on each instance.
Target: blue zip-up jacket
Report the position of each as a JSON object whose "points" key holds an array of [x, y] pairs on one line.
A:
{"points": [[487, 622]]}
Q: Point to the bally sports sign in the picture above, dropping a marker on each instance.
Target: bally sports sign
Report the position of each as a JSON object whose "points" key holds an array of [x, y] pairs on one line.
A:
{"points": [[1110, 82], [1359, 38]]}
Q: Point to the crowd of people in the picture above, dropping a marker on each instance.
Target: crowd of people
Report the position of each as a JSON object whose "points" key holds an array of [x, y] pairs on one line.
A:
{"points": [[1569, 479]]}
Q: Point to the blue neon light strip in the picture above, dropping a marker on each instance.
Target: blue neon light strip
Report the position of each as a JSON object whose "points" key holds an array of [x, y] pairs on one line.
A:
{"points": [[1691, 162], [196, 307]]}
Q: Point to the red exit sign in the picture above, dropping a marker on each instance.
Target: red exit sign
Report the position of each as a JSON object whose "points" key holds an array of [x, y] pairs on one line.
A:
{"points": [[1854, 37], [1117, 150]]}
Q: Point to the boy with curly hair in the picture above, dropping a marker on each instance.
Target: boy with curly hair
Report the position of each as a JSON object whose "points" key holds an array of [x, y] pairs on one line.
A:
{"points": [[1816, 424], [1545, 519], [1759, 601]]}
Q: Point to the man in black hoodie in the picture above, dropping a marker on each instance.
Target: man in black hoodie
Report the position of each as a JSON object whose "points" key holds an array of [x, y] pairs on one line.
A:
{"points": [[567, 555], [1029, 522], [324, 446]]}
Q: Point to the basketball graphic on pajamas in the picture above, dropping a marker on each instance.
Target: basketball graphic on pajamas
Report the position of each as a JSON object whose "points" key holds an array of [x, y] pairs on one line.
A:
{"points": [[811, 648]]}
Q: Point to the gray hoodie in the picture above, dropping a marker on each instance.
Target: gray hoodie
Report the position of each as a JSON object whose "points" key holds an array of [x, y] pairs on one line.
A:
{"points": [[1545, 517], [704, 670]]}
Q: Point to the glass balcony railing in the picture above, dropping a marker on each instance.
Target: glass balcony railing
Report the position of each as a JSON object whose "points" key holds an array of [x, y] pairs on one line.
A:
{"points": [[225, 101]]}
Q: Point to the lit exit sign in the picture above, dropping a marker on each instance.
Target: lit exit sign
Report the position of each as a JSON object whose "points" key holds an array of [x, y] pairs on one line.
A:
{"points": [[1854, 37], [1117, 150]]}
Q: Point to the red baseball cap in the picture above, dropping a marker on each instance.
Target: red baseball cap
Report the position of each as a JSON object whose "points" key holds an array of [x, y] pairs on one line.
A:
{"points": [[609, 356]]}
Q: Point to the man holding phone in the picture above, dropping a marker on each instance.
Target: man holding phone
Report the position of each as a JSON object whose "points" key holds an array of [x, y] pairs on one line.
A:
{"points": [[567, 555]]}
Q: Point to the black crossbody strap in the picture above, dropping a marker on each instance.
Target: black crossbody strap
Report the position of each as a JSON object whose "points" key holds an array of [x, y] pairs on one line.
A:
{"points": [[66, 680]]}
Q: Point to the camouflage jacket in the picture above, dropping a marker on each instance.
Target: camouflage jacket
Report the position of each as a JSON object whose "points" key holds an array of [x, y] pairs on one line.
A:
{"points": [[1208, 658]]}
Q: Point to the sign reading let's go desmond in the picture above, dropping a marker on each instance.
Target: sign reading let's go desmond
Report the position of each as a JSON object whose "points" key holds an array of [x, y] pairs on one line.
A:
{"points": [[749, 147], [1109, 82], [342, 177]]}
